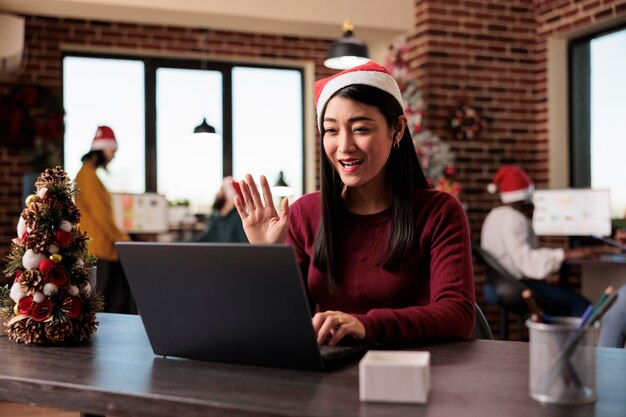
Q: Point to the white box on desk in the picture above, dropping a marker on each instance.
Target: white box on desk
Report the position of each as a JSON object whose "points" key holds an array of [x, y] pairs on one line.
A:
{"points": [[395, 376]]}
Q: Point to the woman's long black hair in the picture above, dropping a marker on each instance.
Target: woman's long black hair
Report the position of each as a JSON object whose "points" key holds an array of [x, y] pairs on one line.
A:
{"points": [[403, 173]]}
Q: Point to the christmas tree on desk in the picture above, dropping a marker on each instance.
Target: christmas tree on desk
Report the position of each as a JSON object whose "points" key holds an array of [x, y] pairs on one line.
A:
{"points": [[51, 298]]}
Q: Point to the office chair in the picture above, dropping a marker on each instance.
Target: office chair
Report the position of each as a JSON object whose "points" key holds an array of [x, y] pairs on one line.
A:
{"points": [[508, 291], [481, 326]]}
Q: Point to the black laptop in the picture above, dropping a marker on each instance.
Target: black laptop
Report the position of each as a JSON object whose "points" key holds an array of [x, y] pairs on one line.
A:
{"points": [[225, 302]]}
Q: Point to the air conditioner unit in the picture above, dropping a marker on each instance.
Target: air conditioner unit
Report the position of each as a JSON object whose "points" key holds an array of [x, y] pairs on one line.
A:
{"points": [[12, 57]]}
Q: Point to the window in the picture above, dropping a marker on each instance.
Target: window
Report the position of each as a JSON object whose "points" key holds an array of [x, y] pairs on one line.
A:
{"points": [[153, 106], [598, 88], [106, 92], [267, 123], [188, 168]]}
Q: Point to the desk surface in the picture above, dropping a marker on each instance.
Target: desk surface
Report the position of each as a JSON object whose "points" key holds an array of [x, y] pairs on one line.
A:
{"points": [[117, 374]]}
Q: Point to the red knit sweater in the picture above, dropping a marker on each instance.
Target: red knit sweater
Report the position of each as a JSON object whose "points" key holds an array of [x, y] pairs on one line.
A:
{"points": [[430, 296]]}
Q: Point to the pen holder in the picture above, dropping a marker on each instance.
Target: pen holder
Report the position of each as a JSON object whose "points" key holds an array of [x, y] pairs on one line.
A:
{"points": [[562, 367]]}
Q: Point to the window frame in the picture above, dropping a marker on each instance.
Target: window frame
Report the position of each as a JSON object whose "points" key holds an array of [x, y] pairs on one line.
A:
{"points": [[152, 63], [579, 103]]}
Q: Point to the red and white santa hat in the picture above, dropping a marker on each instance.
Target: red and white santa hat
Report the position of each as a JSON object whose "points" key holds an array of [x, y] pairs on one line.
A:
{"points": [[370, 73], [513, 184], [231, 188], [104, 139]]}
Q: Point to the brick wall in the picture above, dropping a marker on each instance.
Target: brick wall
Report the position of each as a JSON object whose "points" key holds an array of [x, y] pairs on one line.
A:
{"points": [[489, 52]]}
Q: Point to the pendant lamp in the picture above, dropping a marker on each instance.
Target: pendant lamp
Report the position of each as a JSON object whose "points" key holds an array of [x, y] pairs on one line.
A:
{"points": [[281, 188], [204, 128], [348, 51]]}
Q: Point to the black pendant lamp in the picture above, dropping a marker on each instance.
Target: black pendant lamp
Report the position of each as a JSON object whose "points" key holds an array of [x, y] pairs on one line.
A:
{"points": [[348, 51], [205, 129], [281, 188]]}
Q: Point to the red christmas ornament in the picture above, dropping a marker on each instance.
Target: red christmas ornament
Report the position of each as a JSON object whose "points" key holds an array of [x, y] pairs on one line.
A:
{"points": [[73, 307], [63, 238], [43, 310], [45, 266], [52, 272], [25, 305], [57, 276]]}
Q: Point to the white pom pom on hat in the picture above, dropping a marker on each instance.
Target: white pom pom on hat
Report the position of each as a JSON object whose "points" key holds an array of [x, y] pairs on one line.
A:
{"points": [[513, 184]]}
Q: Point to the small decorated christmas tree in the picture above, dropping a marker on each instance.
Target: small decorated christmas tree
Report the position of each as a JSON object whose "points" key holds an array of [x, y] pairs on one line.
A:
{"points": [[51, 299]]}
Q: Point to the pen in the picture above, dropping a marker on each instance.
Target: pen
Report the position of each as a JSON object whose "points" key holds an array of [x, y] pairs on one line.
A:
{"points": [[603, 297], [586, 315], [537, 314]]}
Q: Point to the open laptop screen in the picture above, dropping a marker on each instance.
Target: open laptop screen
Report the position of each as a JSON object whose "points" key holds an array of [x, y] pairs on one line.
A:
{"points": [[572, 212]]}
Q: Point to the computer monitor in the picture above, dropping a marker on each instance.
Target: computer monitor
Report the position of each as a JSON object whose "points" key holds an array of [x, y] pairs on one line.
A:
{"points": [[572, 212]]}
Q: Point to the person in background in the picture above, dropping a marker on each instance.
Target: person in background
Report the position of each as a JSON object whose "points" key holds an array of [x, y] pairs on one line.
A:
{"points": [[225, 224], [508, 235], [386, 259], [94, 203], [613, 329]]}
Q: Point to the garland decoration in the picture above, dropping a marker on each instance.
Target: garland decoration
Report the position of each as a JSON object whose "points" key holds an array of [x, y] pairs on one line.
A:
{"points": [[51, 299]]}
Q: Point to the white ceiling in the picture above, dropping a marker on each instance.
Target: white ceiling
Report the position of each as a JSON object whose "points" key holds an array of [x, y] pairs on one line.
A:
{"points": [[374, 20]]}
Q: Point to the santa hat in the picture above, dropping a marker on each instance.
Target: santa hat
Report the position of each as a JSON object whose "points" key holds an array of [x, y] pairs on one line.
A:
{"points": [[513, 183], [104, 139], [231, 188], [370, 73]]}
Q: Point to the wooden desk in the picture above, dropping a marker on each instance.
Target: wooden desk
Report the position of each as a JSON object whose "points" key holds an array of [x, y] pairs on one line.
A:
{"points": [[597, 274], [117, 374]]}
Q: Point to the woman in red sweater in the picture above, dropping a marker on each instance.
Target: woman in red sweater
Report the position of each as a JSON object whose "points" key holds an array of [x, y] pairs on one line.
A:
{"points": [[386, 259]]}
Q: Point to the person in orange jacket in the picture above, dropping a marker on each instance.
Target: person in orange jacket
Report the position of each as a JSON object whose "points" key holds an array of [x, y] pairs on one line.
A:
{"points": [[94, 202]]}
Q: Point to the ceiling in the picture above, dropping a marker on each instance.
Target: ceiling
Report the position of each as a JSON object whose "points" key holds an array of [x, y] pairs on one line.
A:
{"points": [[376, 22]]}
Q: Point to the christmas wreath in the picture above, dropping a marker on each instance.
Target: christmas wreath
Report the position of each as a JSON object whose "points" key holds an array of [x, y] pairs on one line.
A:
{"points": [[466, 122], [51, 297], [32, 120]]}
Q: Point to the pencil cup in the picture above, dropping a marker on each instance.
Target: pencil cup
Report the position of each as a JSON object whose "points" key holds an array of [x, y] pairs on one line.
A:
{"points": [[562, 362]]}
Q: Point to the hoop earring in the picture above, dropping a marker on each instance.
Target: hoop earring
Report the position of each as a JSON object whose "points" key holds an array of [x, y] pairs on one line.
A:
{"points": [[396, 145]]}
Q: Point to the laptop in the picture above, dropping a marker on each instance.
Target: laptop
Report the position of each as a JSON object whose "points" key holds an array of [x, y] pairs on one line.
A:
{"points": [[226, 302]]}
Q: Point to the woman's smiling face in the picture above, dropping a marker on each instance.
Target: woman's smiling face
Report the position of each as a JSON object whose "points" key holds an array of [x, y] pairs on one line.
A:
{"points": [[357, 141]]}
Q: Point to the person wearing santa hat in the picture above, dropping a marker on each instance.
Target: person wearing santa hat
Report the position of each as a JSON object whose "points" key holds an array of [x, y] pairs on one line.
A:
{"points": [[386, 259], [507, 234], [224, 224], [94, 202]]}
